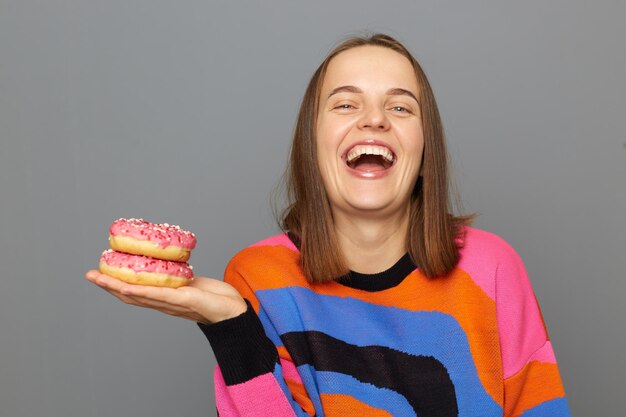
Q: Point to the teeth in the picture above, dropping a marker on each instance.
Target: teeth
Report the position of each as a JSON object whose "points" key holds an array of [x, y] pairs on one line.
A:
{"points": [[359, 150]]}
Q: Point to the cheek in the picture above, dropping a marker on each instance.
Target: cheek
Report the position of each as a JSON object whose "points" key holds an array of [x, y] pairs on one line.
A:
{"points": [[324, 147], [331, 131], [328, 142], [329, 136], [415, 140], [414, 147]]}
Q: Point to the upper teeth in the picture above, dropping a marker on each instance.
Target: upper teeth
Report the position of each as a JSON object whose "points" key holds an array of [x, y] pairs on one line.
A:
{"points": [[359, 150]]}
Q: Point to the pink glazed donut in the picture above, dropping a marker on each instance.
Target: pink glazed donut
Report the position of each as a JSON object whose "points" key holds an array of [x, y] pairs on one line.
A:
{"points": [[143, 270], [161, 241]]}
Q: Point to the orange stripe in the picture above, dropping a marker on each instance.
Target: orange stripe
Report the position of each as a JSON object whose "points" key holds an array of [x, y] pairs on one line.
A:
{"points": [[284, 353], [340, 405], [457, 295], [301, 396], [536, 383], [298, 391], [273, 267]]}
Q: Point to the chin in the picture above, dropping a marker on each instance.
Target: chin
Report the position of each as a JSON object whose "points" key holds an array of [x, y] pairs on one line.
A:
{"points": [[374, 204]]}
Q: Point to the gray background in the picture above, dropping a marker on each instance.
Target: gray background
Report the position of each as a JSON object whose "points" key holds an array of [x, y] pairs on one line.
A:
{"points": [[182, 112]]}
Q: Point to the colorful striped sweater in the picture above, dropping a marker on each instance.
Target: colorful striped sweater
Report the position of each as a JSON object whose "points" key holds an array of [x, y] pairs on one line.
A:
{"points": [[389, 344]]}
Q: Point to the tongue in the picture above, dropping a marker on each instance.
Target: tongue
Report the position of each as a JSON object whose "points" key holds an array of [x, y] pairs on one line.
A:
{"points": [[369, 163]]}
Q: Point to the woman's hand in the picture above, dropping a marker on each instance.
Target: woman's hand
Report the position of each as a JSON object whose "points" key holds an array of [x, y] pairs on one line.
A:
{"points": [[204, 300]]}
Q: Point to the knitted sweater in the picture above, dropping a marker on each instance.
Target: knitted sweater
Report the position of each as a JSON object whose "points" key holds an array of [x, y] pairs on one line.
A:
{"points": [[390, 344]]}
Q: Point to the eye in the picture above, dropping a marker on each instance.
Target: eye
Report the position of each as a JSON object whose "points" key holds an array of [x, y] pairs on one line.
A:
{"points": [[344, 106], [400, 109]]}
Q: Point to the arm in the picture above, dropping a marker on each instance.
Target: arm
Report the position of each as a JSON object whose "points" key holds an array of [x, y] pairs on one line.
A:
{"points": [[249, 377], [246, 379], [532, 383]]}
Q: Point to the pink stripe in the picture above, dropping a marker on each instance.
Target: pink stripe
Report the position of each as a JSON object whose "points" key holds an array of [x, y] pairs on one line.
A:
{"points": [[290, 371], [522, 332], [223, 402], [545, 354], [260, 396], [498, 270], [278, 240], [478, 259]]}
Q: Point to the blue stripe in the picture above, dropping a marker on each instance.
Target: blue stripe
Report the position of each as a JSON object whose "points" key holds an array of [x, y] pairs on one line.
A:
{"points": [[278, 375], [390, 401], [307, 374], [553, 408], [360, 323]]}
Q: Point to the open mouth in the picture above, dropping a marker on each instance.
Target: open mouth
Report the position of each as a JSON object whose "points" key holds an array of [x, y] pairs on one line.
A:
{"points": [[370, 158]]}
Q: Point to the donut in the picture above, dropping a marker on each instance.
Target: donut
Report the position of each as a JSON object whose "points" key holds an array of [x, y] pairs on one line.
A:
{"points": [[144, 270], [161, 241]]}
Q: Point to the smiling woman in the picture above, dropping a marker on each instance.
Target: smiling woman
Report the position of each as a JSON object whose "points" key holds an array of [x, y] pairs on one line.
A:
{"points": [[378, 90], [376, 300], [368, 108]]}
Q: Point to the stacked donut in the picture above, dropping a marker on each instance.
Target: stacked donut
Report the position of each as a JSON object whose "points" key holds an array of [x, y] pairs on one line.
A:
{"points": [[148, 254]]}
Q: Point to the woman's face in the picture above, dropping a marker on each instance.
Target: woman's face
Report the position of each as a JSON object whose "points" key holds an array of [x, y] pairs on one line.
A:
{"points": [[369, 131]]}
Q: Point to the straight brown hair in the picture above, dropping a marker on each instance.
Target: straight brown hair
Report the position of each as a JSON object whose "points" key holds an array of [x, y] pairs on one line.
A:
{"points": [[434, 234]]}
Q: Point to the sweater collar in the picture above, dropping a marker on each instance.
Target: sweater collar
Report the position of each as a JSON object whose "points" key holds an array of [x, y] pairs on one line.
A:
{"points": [[373, 282], [380, 281]]}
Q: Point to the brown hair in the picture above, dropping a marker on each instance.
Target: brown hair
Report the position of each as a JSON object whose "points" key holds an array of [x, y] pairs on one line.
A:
{"points": [[432, 239]]}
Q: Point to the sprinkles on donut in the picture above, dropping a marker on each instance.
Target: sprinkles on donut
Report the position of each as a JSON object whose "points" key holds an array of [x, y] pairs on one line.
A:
{"points": [[143, 270], [147, 253], [162, 241]]}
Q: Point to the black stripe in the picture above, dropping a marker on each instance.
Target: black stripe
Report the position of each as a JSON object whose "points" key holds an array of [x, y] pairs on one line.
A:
{"points": [[372, 282], [422, 380], [382, 280], [241, 347]]}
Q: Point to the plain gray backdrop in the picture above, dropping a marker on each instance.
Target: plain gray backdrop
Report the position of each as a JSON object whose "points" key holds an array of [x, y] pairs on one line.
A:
{"points": [[182, 112]]}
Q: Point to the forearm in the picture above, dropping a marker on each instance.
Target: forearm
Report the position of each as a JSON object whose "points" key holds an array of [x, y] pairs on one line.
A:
{"points": [[248, 379]]}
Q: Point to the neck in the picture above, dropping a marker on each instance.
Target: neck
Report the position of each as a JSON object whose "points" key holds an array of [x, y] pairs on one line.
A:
{"points": [[372, 245]]}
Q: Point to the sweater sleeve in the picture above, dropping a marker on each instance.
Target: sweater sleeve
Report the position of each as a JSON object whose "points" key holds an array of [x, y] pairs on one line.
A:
{"points": [[532, 383], [248, 377]]}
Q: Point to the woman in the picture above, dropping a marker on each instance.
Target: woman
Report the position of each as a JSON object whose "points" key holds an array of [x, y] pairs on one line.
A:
{"points": [[439, 320]]}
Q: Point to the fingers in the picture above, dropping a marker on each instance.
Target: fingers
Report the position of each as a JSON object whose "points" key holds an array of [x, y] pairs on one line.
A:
{"points": [[104, 281], [117, 286], [157, 298], [111, 285], [188, 302], [204, 300], [170, 296], [177, 301]]}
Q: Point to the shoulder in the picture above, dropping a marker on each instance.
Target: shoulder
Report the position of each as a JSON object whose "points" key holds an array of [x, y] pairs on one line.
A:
{"points": [[487, 258], [281, 240], [273, 248], [486, 246], [266, 260], [493, 264]]}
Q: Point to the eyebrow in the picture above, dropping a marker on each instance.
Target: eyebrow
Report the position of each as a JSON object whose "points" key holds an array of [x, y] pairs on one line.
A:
{"points": [[391, 92]]}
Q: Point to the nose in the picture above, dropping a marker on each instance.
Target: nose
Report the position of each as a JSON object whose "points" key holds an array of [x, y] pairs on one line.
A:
{"points": [[374, 117]]}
